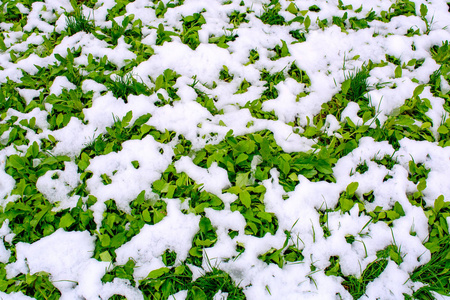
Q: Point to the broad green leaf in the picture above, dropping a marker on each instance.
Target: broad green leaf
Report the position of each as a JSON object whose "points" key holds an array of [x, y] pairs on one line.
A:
{"points": [[158, 216], [418, 90], [265, 216], [105, 256], [198, 294], [265, 148], [127, 118], [145, 128], [179, 270], [33, 150], [142, 120], [439, 204], [59, 119], [412, 62], [205, 225], [284, 49], [425, 125], [245, 198], [398, 72], [346, 86], [66, 221], [196, 252], [284, 166], [423, 10], [242, 157], [84, 161], [105, 240], [351, 188], [146, 216], [399, 209], [205, 243], [334, 271], [16, 162], [293, 177], [2, 43], [422, 185], [159, 82], [242, 179], [292, 8], [158, 273], [307, 22], [322, 167], [442, 129], [118, 240], [346, 204], [259, 189], [392, 215]]}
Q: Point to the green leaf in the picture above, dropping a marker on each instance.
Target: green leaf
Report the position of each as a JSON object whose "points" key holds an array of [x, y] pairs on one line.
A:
{"points": [[59, 119], [399, 209], [33, 151], [418, 90], [423, 10], [105, 240], [142, 120], [118, 240], [105, 256], [284, 166], [196, 252], [245, 198], [351, 188], [292, 8], [346, 86], [422, 185], [284, 49], [16, 162], [204, 225], [442, 129], [398, 72], [2, 43], [346, 204], [179, 270], [242, 179], [159, 82], [439, 204], [158, 273], [84, 161], [334, 271], [127, 118], [146, 216], [307, 22], [265, 149], [66, 221], [198, 294]]}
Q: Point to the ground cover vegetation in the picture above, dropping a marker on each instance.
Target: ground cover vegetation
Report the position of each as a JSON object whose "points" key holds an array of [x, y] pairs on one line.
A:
{"points": [[117, 115]]}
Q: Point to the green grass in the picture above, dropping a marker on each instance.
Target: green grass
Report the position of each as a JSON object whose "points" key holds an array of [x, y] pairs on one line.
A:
{"points": [[270, 15], [123, 86], [33, 217], [77, 22]]}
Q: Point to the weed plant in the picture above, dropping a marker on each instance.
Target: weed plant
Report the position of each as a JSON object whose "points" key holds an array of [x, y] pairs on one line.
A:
{"points": [[358, 84], [270, 15], [123, 86], [78, 22]]}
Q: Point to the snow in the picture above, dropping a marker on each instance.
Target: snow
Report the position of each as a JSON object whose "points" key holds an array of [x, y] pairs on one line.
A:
{"points": [[327, 56]]}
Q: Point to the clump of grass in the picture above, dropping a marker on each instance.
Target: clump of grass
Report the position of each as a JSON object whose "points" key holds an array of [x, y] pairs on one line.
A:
{"points": [[122, 86], [79, 22], [271, 16], [435, 273], [209, 284], [191, 26], [358, 84]]}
